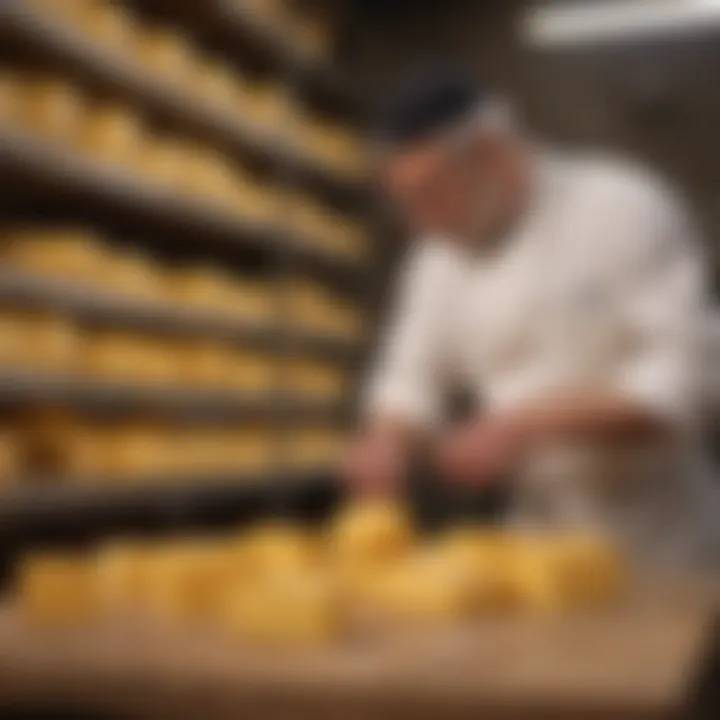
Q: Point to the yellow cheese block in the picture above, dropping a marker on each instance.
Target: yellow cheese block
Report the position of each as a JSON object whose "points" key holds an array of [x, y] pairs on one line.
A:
{"points": [[370, 533], [294, 609], [486, 557], [424, 586], [58, 590], [187, 580], [558, 572]]}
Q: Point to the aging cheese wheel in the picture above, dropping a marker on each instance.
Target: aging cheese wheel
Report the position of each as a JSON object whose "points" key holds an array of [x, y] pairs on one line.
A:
{"points": [[253, 301], [166, 163], [121, 357], [53, 109], [11, 456], [202, 288], [314, 379], [125, 570], [136, 276], [105, 23], [558, 572], [249, 450], [58, 590], [36, 341], [113, 134], [218, 84], [209, 176], [422, 587], [315, 449], [253, 372], [72, 254], [54, 343], [207, 365], [311, 306], [264, 104], [166, 52], [11, 99]]}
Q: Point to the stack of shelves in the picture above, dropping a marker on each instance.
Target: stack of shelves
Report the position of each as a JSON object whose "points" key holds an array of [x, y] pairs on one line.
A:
{"points": [[174, 162]]}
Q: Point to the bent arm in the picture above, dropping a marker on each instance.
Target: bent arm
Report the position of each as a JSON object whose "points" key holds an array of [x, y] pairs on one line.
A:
{"points": [[660, 304]]}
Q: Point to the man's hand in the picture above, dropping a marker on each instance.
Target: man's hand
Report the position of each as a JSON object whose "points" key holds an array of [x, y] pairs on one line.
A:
{"points": [[491, 447], [377, 463], [480, 452]]}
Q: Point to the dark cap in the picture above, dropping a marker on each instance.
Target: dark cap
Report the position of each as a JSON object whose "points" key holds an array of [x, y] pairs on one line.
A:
{"points": [[425, 103]]}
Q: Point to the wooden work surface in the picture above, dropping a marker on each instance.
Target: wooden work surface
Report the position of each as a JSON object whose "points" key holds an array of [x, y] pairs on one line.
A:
{"points": [[632, 661]]}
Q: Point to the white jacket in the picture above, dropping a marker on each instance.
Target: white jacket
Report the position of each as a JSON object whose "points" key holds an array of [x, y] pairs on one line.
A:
{"points": [[601, 285]]}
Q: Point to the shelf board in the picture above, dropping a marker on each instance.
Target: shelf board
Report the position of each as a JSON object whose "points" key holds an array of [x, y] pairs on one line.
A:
{"points": [[313, 72], [21, 386], [89, 304], [38, 503], [49, 166], [70, 48]]}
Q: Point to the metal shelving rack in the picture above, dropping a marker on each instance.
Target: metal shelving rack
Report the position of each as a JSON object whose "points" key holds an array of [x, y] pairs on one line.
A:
{"points": [[67, 48], [114, 310], [44, 166]]}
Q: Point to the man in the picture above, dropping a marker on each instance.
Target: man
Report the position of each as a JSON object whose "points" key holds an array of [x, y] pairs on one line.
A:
{"points": [[567, 293]]}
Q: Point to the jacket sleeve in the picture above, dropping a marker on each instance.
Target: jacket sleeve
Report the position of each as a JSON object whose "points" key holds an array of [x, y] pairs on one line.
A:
{"points": [[661, 301], [407, 382]]}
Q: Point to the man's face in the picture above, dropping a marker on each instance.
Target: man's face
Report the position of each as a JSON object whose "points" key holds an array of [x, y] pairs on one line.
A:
{"points": [[457, 191]]}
